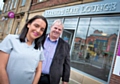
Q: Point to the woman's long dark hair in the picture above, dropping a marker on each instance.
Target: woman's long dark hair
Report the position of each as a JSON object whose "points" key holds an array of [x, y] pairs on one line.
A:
{"points": [[39, 41]]}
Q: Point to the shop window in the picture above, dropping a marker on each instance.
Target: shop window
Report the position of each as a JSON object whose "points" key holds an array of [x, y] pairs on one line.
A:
{"points": [[67, 36], [94, 44], [112, 44], [50, 21], [70, 23], [23, 2]]}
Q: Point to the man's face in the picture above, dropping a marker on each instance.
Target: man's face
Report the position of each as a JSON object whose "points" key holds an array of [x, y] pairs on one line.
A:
{"points": [[56, 30]]}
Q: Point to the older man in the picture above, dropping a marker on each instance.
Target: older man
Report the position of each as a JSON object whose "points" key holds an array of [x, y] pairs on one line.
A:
{"points": [[57, 57]]}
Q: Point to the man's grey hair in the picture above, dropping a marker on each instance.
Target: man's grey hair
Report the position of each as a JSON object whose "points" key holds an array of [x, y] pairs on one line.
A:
{"points": [[58, 21]]}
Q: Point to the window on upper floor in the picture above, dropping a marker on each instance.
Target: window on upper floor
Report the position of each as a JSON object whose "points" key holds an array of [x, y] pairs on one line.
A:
{"points": [[23, 2], [41, 0], [5, 7], [11, 6], [8, 7], [15, 4]]}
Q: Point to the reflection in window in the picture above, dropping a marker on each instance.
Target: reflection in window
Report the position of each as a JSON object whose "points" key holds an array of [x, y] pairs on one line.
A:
{"points": [[70, 23], [82, 28], [67, 35], [94, 45]]}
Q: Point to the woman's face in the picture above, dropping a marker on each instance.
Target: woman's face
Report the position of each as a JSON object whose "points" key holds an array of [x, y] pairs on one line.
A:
{"points": [[36, 29]]}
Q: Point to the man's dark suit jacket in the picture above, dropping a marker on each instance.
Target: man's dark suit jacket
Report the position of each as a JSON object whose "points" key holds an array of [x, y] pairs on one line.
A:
{"points": [[60, 66]]}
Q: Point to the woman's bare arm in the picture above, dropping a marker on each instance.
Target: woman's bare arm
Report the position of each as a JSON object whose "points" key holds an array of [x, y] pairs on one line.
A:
{"points": [[3, 63], [37, 73]]}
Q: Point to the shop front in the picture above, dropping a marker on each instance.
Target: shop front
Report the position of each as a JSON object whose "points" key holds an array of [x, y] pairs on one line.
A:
{"points": [[92, 31]]}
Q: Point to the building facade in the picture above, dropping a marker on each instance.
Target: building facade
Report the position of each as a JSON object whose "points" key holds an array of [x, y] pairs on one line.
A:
{"points": [[91, 27], [13, 17]]}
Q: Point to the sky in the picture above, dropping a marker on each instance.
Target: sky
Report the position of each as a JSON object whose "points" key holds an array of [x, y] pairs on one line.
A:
{"points": [[1, 4]]}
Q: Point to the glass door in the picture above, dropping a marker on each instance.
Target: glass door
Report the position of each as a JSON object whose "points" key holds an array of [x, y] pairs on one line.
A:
{"points": [[68, 35]]}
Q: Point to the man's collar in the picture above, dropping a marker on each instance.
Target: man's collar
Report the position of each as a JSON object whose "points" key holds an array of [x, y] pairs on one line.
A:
{"points": [[48, 37]]}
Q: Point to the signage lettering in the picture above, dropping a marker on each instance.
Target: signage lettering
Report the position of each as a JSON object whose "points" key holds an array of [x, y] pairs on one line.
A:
{"points": [[82, 9], [99, 8]]}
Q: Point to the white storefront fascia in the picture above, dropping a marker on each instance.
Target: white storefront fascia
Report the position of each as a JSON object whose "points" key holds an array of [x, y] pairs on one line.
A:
{"points": [[101, 7]]}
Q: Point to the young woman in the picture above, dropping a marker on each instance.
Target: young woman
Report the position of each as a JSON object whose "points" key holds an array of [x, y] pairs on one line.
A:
{"points": [[21, 55]]}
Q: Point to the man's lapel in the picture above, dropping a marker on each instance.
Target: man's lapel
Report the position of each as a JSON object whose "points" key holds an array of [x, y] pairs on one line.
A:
{"points": [[57, 51]]}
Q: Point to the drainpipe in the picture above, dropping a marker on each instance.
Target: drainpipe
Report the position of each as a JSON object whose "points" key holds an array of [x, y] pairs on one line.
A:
{"points": [[29, 10]]}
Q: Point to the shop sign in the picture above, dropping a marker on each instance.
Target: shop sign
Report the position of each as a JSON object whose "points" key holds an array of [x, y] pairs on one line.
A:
{"points": [[11, 14], [108, 6]]}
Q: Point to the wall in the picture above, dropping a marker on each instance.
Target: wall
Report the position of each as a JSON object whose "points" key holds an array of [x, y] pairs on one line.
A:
{"points": [[56, 3]]}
